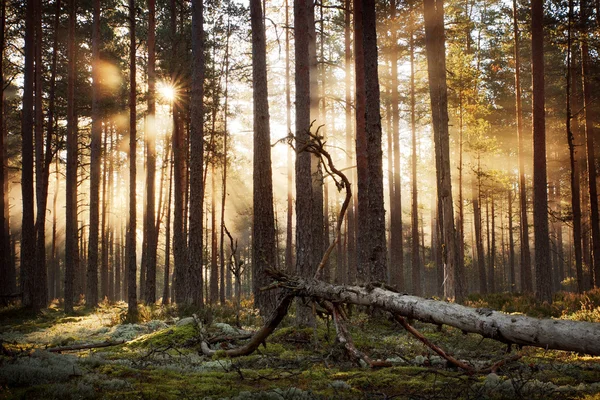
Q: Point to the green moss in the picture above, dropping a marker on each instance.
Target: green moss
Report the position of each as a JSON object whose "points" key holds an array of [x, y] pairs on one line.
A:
{"points": [[174, 336]]}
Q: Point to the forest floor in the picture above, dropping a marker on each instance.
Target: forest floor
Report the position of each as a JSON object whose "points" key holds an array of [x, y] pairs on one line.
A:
{"points": [[161, 357]]}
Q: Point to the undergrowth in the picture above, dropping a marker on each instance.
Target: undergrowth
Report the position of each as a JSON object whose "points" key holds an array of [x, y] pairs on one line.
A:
{"points": [[161, 358]]}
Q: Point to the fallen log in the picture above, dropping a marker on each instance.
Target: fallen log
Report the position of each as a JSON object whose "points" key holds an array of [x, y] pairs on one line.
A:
{"points": [[581, 337]]}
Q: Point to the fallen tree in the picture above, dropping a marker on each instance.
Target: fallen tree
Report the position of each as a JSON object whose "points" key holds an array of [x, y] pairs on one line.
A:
{"points": [[581, 337], [551, 334]]}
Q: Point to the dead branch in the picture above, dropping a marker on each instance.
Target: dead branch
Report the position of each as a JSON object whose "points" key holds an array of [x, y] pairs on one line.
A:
{"points": [[409, 328]]}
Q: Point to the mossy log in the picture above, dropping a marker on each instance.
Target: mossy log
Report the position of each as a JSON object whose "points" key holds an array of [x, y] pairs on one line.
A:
{"points": [[581, 337]]}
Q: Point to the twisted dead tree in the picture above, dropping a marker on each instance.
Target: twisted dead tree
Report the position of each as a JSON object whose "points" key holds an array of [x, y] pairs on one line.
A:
{"points": [[581, 337]]}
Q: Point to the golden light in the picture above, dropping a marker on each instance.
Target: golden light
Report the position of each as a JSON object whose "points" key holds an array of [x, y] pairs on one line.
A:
{"points": [[167, 91]]}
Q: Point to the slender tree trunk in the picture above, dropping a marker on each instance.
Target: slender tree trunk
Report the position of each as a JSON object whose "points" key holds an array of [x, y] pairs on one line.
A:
{"points": [[27, 124], [91, 292], [55, 263], [263, 224], [5, 264], [511, 245], [492, 264], [71, 242], [150, 135], [225, 272], [180, 254], [416, 264], [304, 187], [166, 291], [540, 192], [589, 136], [396, 240], [483, 289], [104, 226], [436, 61], [40, 290], [196, 165], [289, 251], [131, 226], [526, 280], [573, 159], [214, 266], [351, 215], [362, 235]]}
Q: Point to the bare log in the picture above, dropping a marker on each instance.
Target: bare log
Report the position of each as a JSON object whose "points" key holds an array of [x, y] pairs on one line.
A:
{"points": [[581, 337]]}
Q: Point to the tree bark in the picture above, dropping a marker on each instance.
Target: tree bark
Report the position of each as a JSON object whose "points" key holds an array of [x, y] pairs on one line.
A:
{"points": [[131, 223], [362, 195], [71, 240], [27, 124], [263, 225], [526, 331], [351, 218], [436, 64], [526, 281], [304, 187], [543, 273], [573, 158], [196, 221], [415, 262], [150, 136], [396, 239], [289, 251], [589, 136]]}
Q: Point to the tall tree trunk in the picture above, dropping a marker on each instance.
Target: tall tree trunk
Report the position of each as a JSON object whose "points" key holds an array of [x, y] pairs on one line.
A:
{"points": [[131, 225], [27, 123], [318, 222], [196, 286], [376, 212], [55, 264], [416, 263], [396, 241], [362, 235], [263, 224], [351, 215], [150, 136], [436, 64], [589, 136], [5, 264], [304, 188], [526, 281], [166, 291], [104, 226], [492, 264], [180, 253], [214, 266], [71, 240], [225, 275], [476, 194], [91, 292], [511, 244], [40, 290], [573, 158], [289, 250], [540, 193]]}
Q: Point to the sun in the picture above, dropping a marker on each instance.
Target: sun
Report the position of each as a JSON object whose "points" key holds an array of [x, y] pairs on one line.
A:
{"points": [[167, 91]]}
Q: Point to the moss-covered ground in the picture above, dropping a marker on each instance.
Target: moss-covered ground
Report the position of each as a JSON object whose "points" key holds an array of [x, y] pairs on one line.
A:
{"points": [[161, 357]]}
